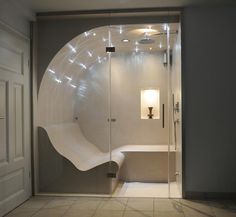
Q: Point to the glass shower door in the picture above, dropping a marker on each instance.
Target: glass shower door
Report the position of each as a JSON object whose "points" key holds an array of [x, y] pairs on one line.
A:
{"points": [[139, 109], [175, 147]]}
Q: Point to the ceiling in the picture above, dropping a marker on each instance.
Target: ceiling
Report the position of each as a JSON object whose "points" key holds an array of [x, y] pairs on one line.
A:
{"points": [[73, 5]]}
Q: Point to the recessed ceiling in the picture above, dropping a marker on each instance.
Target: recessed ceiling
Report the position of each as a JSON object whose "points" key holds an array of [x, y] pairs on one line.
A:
{"points": [[72, 5]]}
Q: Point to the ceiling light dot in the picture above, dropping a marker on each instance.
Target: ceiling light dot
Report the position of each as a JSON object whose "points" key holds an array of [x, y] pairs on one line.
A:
{"points": [[58, 80], [90, 54], [125, 40], [71, 61], [72, 48], [72, 85], [121, 30], [83, 66], [69, 78], [50, 70]]}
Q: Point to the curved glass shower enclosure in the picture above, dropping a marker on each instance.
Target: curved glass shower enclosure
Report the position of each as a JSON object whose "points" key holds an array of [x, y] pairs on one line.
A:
{"points": [[109, 113]]}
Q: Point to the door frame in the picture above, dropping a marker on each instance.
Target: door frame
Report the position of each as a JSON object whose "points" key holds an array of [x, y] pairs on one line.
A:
{"points": [[125, 16]]}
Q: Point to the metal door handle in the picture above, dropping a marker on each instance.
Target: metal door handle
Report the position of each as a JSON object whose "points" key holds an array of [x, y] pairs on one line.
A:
{"points": [[2, 117], [163, 116], [112, 120]]}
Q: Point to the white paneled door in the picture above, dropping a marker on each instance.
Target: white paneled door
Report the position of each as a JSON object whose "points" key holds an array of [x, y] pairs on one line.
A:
{"points": [[15, 180]]}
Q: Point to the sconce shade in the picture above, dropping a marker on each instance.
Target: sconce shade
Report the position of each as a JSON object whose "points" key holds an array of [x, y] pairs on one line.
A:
{"points": [[151, 97]]}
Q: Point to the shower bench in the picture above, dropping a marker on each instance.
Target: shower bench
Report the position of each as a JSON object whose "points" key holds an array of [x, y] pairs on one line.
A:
{"points": [[83, 168], [147, 163]]}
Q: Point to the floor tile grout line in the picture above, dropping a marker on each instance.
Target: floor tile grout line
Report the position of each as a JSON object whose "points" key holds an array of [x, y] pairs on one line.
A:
{"points": [[95, 211], [51, 199], [123, 214], [153, 207], [179, 204], [126, 207], [117, 200], [68, 208], [212, 210]]}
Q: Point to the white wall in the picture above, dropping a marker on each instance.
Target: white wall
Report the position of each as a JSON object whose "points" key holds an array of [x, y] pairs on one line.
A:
{"points": [[17, 15], [130, 72]]}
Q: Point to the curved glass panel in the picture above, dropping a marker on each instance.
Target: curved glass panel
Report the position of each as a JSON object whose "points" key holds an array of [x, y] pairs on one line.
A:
{"points": [[73, 109]]}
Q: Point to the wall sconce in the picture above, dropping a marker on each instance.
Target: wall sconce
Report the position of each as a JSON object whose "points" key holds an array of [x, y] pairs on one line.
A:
{"points": [[150, 104]]}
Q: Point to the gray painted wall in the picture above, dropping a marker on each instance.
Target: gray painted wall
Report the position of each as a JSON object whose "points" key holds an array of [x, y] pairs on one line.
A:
{"points": [[16, 15], [209, 106]]}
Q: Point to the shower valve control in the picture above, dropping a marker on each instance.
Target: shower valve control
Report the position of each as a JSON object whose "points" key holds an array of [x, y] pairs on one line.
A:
{"points": [[177, 173], [176, 108]]}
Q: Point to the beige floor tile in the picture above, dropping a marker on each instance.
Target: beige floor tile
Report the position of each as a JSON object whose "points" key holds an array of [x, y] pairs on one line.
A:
{"points": [[108, 213], [197, 208], [79, 213], [168, 214], [170, 205], [55, 212], [91, 199], [39, 197], [21, 212], [60, 202], [122, 199], [140, 204], [218, 204], [197, 212], [129, 213], [113, 205], [224, 212], [34, 204], [223, 204], [88, 204]]}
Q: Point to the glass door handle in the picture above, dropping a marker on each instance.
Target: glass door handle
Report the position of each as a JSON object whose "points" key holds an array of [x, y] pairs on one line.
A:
{"points": [[112, 120], [163, 115]]}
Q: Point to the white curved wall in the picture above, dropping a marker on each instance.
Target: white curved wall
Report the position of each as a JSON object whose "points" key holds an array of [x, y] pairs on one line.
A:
{"points": [[64, 76], [75, 85], [130, 73]]}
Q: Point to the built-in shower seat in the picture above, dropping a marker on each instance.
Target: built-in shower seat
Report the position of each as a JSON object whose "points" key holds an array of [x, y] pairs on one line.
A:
{"points": [[69, 141], [86, 169]]}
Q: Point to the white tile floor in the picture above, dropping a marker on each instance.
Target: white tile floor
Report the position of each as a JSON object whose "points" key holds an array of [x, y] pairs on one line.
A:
{"points": [[139, 189], [122, 207]]}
